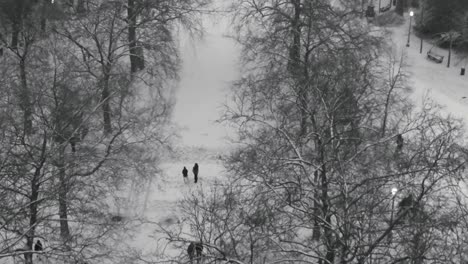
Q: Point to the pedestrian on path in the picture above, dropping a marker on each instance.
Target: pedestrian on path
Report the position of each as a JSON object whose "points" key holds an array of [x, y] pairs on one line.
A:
{"points": [[195, 172], [185, 174]]}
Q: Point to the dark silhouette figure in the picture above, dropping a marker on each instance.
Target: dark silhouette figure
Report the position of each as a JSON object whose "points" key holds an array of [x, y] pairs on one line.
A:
{"points": [[195, 250], [116, 218], [73, 141], [399, 142], [78, 137], [185, 174], [38, 246], [195, 172], [412, 207], [406, 202]]}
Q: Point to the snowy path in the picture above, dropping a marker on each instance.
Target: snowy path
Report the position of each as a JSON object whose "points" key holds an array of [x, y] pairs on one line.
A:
{"points": [[161, 208], [209, 68]]}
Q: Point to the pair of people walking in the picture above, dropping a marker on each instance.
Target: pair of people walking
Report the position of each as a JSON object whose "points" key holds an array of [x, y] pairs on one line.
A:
{"points": [[194, 170]]}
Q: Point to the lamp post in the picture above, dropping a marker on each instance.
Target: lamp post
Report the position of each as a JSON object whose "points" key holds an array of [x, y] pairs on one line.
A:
{"points": [[380, 1], [394, 191], [422, 21], [411, 14]]}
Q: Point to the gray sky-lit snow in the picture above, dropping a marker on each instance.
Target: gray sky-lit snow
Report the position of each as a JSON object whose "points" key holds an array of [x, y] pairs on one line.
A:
{"points": [[209, 66]]}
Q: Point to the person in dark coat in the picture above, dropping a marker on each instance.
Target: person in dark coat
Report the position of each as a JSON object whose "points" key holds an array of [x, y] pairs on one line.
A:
{"points": [[399, 141], [185, 174], [38, 246], [195, 172], [195, 250]]}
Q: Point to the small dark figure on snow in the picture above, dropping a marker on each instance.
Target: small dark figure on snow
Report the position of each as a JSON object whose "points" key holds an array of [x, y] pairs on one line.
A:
{"points": [[399, 143], [406, 202], [195, 172], [185, 174], [38, 246], [410, 205], [195, 249]]}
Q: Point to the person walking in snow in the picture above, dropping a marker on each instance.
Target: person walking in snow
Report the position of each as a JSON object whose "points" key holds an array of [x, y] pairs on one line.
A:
{"points": [[38, 246], [185, 174], [195, 250], [195, 172]]}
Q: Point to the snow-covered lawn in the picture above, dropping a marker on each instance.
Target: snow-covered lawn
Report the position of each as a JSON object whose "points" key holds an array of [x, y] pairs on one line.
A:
{"points": [[427, 78], [163, 198], [209, 66]]}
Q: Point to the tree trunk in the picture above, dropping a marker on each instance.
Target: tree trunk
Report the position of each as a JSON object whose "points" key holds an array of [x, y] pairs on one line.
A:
{"points": [[136, 52], [28, 257], [316, 229], [44, 7], [25, 99], [328, 233], [363, 10], [450, 51], [14, 36], [63, 203], [400, 7], [295, 66], [80, 7], [387, 105], [105, 100], [16, 23], [43, 25]]}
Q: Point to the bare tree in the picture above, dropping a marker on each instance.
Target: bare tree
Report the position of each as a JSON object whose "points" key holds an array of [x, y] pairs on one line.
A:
{"points": [[324, 196], [57, 182]]}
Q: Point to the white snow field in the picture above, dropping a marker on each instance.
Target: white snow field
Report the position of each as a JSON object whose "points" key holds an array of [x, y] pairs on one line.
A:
{"points": [[209, 66]]}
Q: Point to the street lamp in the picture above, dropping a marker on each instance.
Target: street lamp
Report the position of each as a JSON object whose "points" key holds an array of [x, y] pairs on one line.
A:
{"points": [[380, 1], [411, 14], [422, 21], [394, 191]]}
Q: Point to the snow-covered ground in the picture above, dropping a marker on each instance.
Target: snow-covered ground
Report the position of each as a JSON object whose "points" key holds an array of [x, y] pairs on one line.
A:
{"points": [[430, 79], [209, 67], [162, 203]]}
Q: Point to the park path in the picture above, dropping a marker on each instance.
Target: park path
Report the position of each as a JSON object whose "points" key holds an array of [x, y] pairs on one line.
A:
{"points": [[209, 67]]}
